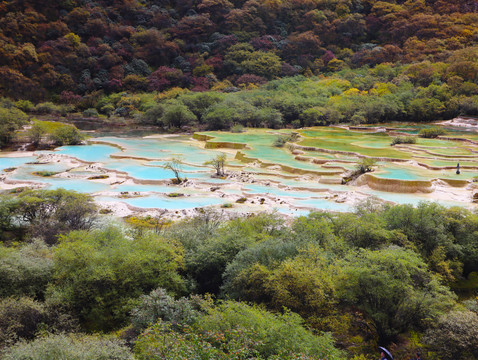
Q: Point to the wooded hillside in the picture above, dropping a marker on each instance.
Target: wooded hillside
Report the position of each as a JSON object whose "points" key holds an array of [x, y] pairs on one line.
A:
{"points": [[61, 49]]}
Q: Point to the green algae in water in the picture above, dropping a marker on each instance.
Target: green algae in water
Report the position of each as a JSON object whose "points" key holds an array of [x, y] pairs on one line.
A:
{"points": [[374, 145]]}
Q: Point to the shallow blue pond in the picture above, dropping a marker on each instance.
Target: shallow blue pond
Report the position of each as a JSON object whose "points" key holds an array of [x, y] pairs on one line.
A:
{"points": [[6, 162], [323, 204], [270, 190], [90, 153], [398, 173], [166, 202]]}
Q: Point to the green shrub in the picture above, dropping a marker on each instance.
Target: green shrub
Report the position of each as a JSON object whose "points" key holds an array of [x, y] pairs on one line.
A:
{"points": [[65, 109], [25, 271], [161, 343], [236, 331], [44, 173], [101, 273], [365, 165], [71, 347], [296, 124], [23, 318], [20, 318], [59, 133], [47, 108], [431, 132], [358, 119], [266, 254], [98, 177], [159, 305], [24, 105], [11, 119], [394, 287], [275, 334], [312, 116], [280, 141], [210, 244], [432, 230], [403, 140], [40, 128], [153, 115], [237, 128], [107, 109], [66, 135], [90, 112], [177, 115], [455, 336], [48, 213]]}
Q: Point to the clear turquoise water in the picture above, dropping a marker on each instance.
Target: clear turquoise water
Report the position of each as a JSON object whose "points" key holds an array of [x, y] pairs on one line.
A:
{"points": [[193, 155], [137, 170], [163, 149], [313, 185], [451, 174], [167, 203], [84, 186], [293, 212], [400, 173], [25, 172], [270, 190], [90, 153], [414, 199], [144, 188], [323, 204], [184, 167], [6, 162]]}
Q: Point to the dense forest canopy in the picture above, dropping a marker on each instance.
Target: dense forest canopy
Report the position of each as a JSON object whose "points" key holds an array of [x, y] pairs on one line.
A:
{"points": [[58, 50], [322, 286]]}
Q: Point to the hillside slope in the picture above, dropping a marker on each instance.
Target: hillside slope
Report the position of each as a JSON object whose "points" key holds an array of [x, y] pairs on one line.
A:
{"points": [[78, 47]]}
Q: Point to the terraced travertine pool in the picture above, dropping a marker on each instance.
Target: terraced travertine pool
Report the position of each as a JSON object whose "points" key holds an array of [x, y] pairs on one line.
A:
{"points": [[305, 174]]}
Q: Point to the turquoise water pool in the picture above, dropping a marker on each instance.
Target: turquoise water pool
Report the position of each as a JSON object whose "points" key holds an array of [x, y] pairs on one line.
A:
{"points": [[144, 188], [270, 190], [9, 162], [137, 170], [25, 172], [323, 204], [90, 153], [398, 173], [84, 186], [157, 202], [149, 155], [163, 149], [414, 199], [293, 212]]}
